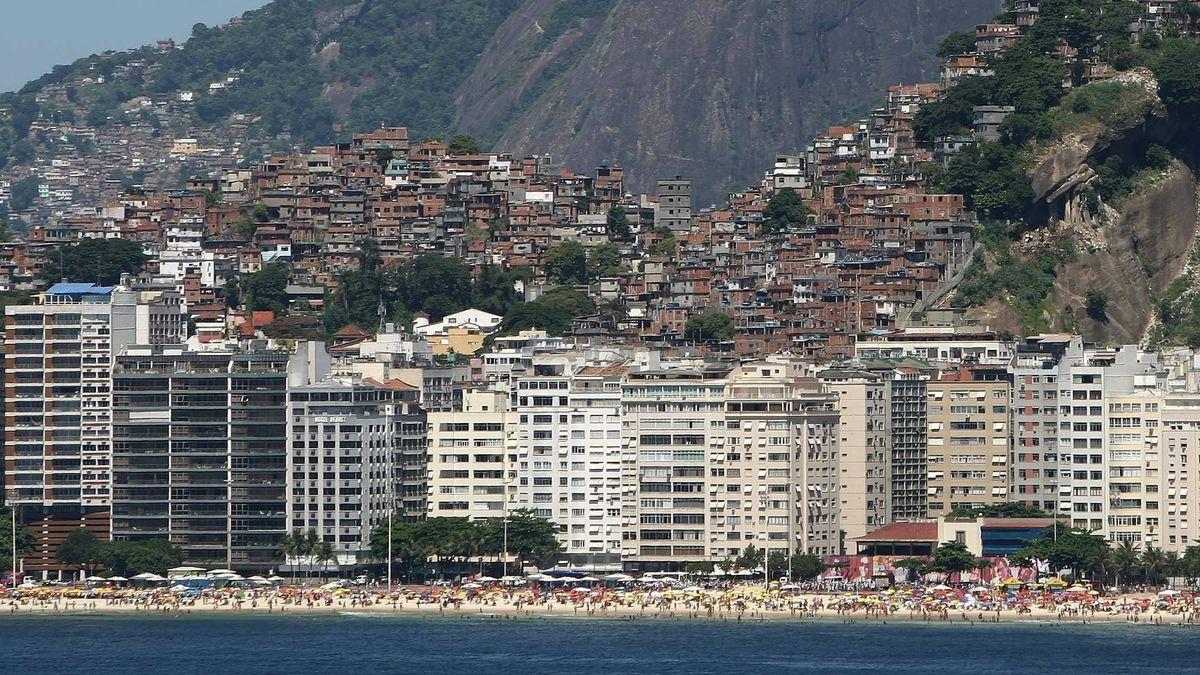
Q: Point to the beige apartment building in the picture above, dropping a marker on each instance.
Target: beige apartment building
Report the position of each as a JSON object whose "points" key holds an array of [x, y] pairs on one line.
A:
{"points": [[1134, 490], [1179, 482], [968, 439], [863, 448], [470, 465], [777, 484]]}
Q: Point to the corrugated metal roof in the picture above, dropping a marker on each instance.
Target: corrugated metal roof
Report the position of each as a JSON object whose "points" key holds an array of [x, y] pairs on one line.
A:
{"points": [[79, 289]]}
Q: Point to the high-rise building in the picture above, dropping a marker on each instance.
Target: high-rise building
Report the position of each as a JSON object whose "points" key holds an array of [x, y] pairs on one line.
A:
{"points": [[356, 451], [200, 450], [1035, 469], [674, 421], [568, 449], [776, 484], [58, 362], [675, 204], [470, 462], [863, 450], [1178, 483], [968, 439], [907, 459]]}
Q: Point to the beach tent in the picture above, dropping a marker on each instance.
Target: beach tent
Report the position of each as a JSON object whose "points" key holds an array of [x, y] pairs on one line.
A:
{"points": [[148, 576], [95, 578], [485, 579], [1168, 593], [541, 577], [217, 573], [117, 579], [618, 577]]}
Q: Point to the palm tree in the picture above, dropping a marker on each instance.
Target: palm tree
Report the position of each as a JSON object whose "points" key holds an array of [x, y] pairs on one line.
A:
{"points": [[1174, 564], [1153, 562], [473, 541], [289, 547], [323, 553], [1125, 560]]}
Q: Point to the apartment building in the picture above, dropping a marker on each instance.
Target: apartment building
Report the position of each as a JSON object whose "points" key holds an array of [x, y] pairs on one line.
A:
{"points": [[968, 439], [907, 459], [356, 451], [776, 484], [58, 359], [674, 426], [568, 448], [200, 450], [863, 450], [1179, 474], [1133, 491], [1036, 367], [470, 461]]}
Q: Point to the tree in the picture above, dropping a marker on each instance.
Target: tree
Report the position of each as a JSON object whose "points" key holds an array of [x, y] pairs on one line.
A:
{"points": [[807, 566], [952, 557], [709, 327], [99, 261], [1068, 549], [784, 210], [914, 566], [604, 260], [777, 562], [1178, 72], [959, 42], [553, 312], [266, 289], [324, 553], [463, 144], [751, 558], [1125, 561], [127, 558], [1097, 304], [79, 549], [566, 263], [1154, 563], [616, 223], [22, 193], [25, 541]]}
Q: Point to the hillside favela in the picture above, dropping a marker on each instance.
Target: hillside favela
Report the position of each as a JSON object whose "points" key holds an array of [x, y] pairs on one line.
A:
{"points": [[816, 330]]}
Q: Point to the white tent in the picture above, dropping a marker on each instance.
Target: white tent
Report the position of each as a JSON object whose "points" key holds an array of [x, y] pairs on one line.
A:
{"points": [[485, 579], [618, 577], [117, 579], [148, 576]]}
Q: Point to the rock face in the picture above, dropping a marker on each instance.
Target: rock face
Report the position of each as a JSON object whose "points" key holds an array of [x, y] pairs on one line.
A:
{"points": [[1144, 250], [708, 89]]}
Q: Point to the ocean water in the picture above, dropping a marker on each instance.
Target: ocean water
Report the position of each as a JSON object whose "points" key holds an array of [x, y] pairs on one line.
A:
{"points": [[407, 644]]}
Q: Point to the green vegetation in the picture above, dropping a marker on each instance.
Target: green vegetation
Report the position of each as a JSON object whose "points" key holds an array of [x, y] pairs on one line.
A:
{"points": [[785, 210], [709, 327], [99, 261], [1022, 282], [1002, 510], [1096, 305], [1178, 72], [992, 179], [960, 42], [435, 284], [307, 546], [552, 312], [265, 289], [1064, 547], [1178, 309], [23, 192], [566, 263], [1114, 105], [25, 540], [1122, 175], [81, 549], [463, 144], [807, 566], [415, 543], [616, 223]]}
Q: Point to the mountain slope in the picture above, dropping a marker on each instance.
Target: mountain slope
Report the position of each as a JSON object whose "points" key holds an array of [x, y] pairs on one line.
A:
{"points": [[709, 89]]}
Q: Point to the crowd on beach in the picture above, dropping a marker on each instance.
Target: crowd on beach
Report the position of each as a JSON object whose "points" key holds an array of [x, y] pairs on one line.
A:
{"points": [[634, 599]]}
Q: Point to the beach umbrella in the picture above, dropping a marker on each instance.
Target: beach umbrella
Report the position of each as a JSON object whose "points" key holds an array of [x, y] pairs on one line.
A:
{"points": [[618, 577], [1168, 593], [485, 579], [117, 579], [95, 578], [275, 580], [979, 589], [588, 579], [148, 576], [940, 587], [1076, 589]]}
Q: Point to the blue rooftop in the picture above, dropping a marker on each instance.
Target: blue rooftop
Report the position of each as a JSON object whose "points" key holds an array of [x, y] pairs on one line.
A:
{"points": [[79, 289]]}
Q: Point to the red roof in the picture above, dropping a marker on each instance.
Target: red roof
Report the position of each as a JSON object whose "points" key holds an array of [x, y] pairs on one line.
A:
{"points": [[903, 532], [388, 384], [351, 331]]}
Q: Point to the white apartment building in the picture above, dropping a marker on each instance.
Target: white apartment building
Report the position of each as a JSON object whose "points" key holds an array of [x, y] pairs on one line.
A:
{"points": [[356, 451], [863, 450], [568, 447]]}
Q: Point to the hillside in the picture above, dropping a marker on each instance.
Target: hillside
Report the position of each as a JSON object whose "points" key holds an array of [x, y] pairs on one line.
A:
{"points": [[707, 88]]}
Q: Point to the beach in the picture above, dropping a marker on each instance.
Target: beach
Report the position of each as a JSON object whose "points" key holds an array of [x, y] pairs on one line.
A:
{"points": [[746, 604]]}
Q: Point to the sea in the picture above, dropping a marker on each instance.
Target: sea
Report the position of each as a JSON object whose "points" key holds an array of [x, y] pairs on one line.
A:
{"points": [[414, 644]]}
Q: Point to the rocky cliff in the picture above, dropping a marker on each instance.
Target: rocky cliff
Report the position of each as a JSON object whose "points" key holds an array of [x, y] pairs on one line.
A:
{"points": [[709, 89]]}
